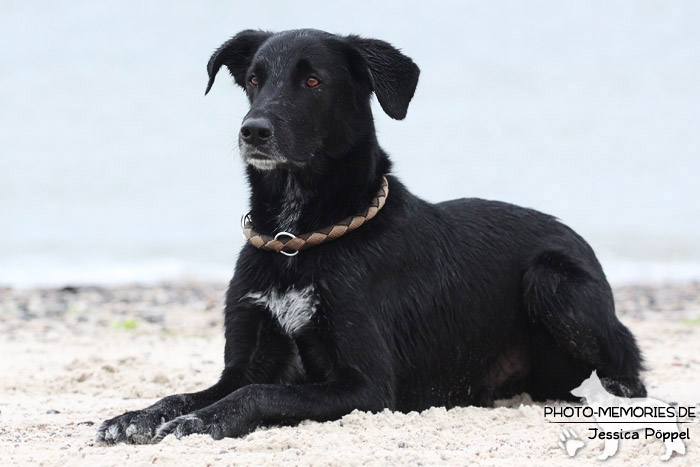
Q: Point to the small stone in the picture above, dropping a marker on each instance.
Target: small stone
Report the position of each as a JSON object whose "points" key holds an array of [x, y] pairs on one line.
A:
{"points": [[160, 378], [52, 411], [83, 377]]}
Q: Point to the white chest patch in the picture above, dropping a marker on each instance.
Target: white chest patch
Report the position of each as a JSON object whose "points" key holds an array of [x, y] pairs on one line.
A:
{"points": [[292, 308]]}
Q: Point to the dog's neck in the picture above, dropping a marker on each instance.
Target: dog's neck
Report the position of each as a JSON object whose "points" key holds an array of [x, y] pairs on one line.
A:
{"points": [[303, 200]]}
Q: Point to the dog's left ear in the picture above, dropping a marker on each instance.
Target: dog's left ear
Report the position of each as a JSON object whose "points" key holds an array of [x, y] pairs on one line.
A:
{"points": [[393, 75], [237, 53]]}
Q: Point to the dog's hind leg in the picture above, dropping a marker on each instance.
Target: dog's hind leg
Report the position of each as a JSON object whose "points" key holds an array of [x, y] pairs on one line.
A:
{"points": [[672, 445], [574, 328]]}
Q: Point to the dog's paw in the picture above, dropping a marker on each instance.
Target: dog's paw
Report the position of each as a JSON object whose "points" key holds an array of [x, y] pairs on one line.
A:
{"points": [[133, 427], [570, 442], [182, 426], [218, 425]]}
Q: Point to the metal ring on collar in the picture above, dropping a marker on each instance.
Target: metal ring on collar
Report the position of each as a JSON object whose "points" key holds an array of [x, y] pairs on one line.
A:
{"points": [[291, 237], [245, 218]]}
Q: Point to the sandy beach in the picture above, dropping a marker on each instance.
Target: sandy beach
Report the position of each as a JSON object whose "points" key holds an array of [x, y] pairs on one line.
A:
{"points": [[73, 357]]}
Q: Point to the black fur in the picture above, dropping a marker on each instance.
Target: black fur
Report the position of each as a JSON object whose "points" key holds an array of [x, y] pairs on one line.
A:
{"points": [[447, 304]]}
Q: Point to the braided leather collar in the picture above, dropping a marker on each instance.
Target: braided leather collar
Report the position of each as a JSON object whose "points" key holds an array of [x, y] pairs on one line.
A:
{"points": [[290, 245]]}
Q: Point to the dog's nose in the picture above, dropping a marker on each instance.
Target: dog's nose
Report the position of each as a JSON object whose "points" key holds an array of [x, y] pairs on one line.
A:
{"points": [[256, 130]]}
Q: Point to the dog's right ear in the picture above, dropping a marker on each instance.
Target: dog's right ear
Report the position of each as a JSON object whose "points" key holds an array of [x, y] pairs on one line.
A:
{"points": [[237, 53], [392, 74]]}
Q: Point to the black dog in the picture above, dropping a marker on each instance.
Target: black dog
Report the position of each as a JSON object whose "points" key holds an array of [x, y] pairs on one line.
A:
{"points": [[446, 304]]}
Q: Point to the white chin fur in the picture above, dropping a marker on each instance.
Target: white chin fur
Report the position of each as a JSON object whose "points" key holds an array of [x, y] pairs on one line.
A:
{"points": [[262, 164]]}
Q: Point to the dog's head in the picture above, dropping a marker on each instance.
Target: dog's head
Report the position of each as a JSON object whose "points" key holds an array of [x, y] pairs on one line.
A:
{"points": [[309, 92], [589, 388]]}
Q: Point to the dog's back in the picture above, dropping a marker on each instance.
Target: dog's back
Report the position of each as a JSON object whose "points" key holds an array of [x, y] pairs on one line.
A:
{"points": [[476, 309]]}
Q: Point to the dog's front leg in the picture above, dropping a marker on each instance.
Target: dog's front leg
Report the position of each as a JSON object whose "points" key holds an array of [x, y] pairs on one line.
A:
{"points": [[244, 410], [138, 426], [256, 354], [610, 449]]}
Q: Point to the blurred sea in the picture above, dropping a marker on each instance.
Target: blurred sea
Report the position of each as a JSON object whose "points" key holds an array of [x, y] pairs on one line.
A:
{"points": [[115, 168]]}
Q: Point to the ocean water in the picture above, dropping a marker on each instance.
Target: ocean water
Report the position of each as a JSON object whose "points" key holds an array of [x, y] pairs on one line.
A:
{"points": [[115, 168]]}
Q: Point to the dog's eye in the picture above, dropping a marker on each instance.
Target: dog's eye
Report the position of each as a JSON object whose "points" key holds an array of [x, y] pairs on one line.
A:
{"points": [[312, 82], [254, 80]]}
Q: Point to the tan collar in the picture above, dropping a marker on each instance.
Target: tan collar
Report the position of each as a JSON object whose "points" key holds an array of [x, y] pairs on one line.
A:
{"points": [[290, 244]]}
